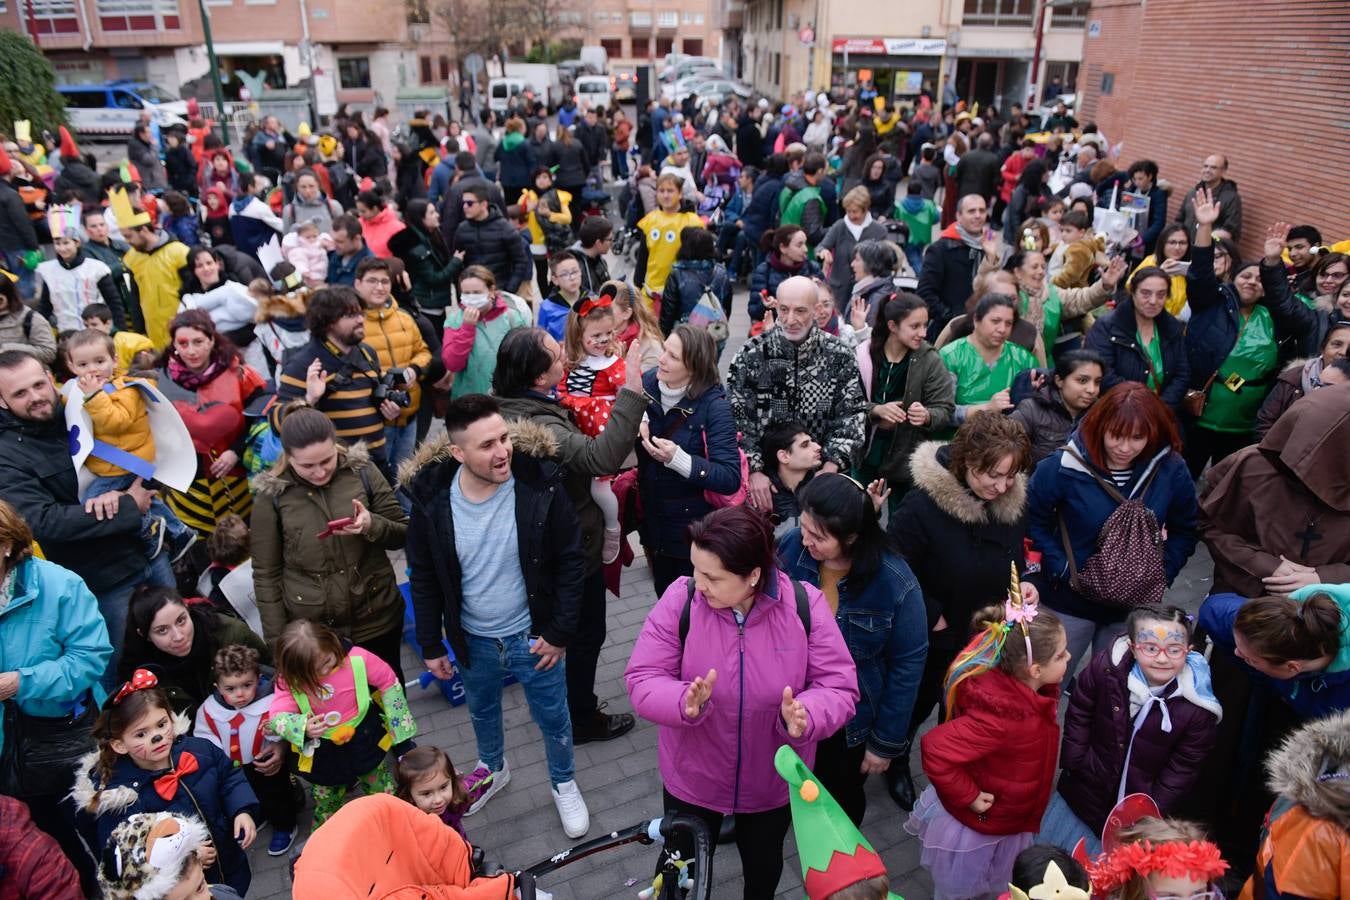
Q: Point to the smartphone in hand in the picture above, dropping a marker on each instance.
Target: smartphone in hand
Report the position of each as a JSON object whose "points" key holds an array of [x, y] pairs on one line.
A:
{"points": [[334, 526]]}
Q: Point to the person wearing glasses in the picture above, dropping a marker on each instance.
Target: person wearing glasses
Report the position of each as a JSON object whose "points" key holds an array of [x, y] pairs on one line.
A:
{"points": [[1141, 719], [488, 239]]}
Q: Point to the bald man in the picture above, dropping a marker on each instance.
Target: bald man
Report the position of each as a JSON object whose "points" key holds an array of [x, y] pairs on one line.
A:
{"points": [[1213, 175], [793, 371]]}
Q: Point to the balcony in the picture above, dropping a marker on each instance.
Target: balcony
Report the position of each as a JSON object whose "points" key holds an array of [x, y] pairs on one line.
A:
{"points": [[1002, 13]]}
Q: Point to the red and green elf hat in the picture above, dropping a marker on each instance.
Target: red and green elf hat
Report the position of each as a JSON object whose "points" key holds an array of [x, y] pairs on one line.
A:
{"points": [[834, 853]]}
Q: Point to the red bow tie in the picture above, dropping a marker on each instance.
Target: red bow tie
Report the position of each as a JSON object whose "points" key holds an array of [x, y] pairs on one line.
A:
{"points": [[167, 785]]}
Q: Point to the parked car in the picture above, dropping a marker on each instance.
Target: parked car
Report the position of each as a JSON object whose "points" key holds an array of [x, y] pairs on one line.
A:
{"points": [[112, 108], [594, 89], [623, 83]]}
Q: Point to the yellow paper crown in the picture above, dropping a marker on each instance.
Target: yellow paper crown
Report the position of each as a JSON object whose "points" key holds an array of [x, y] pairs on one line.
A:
{"points": [[23, 132], [1054, 886], [127, 216]]}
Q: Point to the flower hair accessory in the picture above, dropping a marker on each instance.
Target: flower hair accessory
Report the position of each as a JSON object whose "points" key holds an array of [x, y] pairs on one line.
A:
{"points": [[1197, 860], [141, 679], [1019, 612]]}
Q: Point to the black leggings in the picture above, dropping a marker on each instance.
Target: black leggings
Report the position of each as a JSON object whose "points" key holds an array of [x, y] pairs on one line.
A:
{"points": [[942, 649], [839, 768], [388, 647], [1204, 444], [759, 841]]}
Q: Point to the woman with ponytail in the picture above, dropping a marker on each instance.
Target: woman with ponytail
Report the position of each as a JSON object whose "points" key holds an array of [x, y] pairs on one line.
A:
{"points": [[991, 762]]}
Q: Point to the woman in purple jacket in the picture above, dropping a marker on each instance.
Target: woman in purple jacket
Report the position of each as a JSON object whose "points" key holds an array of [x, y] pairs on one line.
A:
{"points": [[732, 664]]}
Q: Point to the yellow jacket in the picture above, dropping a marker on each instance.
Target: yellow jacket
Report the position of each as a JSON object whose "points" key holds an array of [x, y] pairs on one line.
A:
{"points": [[120, 418], [557, 217], [128, 344], [156, 275], [393, 335]]}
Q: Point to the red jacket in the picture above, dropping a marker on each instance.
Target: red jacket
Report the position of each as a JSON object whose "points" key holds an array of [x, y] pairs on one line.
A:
{"points": [[1003, 740], [32, 866]]}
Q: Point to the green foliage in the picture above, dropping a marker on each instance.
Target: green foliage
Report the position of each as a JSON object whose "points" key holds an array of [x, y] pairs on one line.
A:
{"points": [[553, 52], [27, 86]]}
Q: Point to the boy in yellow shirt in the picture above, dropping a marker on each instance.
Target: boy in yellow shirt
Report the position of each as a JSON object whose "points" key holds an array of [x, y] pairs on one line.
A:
{"points": [[661, 233], [124, 447]]}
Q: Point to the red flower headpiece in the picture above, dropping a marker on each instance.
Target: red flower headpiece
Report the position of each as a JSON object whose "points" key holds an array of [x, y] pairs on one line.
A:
{"points": [[140, 680], [1176, 859]]}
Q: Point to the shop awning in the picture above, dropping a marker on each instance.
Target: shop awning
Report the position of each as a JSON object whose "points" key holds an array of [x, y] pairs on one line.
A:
{"points": [[249, 48], [890, 46]]}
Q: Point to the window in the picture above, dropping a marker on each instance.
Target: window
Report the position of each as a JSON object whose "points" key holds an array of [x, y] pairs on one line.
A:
{"points": [[613, 46], [693, 46], [642, 48], [1064, 74], [1069, 18], [424, 63], [52, 16], [778, 16], [640, 19], [138, 15], [419, 12], [778, 68], [94, 98], [998, 12], [698, 18], [1108, 83], [688, 18], [668, 18], [601, 15], [664, 45], [445, 68], [354, 72]]}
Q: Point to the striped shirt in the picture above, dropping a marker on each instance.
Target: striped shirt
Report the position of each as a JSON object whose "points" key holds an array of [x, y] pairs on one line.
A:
{"points": [[349, 400]]}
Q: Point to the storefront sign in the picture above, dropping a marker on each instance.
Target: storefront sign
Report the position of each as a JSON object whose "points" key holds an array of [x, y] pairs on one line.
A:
{"points": [[890, 46]]}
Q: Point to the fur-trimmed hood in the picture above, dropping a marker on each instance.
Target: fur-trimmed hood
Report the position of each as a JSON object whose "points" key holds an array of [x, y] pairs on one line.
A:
{"points": [[270, 483], [527, 437], [1320, 747], [932, 476], [87, 795], [273, 305]]}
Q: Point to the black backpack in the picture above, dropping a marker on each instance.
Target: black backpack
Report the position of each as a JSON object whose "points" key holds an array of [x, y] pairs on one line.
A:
{"points": [[799, 593]]}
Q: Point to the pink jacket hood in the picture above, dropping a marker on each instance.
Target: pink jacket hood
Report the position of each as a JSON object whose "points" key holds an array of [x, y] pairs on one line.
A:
{"points": [[702, 761]]}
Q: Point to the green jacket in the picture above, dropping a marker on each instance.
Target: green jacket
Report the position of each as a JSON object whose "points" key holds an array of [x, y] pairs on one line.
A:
{"points": [[582, 457], [345, 582], [927, 381]]}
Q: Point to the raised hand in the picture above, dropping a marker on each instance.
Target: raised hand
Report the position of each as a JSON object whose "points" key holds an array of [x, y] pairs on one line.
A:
{"points": [[1115, 270], [316, 382], [1276, 236], [1206, 207], [699, 693], [794, 715]]}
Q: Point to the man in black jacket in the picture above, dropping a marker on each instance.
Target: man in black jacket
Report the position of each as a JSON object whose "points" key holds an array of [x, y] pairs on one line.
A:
{"points": [[950, 264], [17, 236], [98, 540], [488, 239], [496, 567], [593, 137], [467, 178], [978, 172]]}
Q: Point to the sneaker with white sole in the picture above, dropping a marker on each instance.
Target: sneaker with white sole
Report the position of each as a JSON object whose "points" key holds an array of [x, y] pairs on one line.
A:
{"points": [[613, 544], [576, 819], [482, 783]]}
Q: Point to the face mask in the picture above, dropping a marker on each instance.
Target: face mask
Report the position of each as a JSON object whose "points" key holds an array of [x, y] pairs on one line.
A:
{"points": [[474, 301]]}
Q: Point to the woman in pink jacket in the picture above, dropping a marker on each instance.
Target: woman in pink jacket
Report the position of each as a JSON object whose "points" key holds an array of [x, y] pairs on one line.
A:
{"points": [[732, 664]]}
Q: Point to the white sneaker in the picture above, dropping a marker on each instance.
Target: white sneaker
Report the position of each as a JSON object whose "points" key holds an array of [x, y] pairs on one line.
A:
{"points": [[576, 819], [483, 783]]}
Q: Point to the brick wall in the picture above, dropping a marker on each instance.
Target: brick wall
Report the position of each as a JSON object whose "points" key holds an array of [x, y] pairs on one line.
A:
{"points": [[1263, 81]]}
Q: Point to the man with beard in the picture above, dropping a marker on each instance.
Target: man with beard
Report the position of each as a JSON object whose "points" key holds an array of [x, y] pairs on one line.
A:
{"points": [[339, 375], [98, 540]]}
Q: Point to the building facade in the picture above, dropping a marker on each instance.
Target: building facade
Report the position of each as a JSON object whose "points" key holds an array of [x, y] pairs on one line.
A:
{"points": [[988, 47], [1177, 81]]}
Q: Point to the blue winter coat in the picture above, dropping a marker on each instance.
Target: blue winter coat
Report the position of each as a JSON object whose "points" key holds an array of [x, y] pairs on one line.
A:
{"points": [[1216, 318], [885, 626], [762, 211], [685, 284], [515, 166], [1113, 337], [1062, 486], [53, 635], [216, 793], [669, 500], [1311, 695]]}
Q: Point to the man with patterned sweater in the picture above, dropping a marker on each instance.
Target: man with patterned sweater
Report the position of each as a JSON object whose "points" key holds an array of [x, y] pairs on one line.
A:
{"points": [[795, 371]]}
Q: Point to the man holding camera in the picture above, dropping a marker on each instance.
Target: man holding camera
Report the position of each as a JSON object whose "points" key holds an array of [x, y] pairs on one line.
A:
{"points": [[404, 355], [340, 375]]}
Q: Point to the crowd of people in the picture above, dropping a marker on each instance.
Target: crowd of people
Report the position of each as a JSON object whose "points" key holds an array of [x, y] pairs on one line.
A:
{"points": [[981, 421]]}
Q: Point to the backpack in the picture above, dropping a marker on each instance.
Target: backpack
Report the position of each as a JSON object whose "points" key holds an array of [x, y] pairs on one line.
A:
{"points": [[798, 593], [709, 315], [1127, 569]]}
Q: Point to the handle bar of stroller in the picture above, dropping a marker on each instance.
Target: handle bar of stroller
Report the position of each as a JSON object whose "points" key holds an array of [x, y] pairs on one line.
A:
{"points": [[649, 832]]}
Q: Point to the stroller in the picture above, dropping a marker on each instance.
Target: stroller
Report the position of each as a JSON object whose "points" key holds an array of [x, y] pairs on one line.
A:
{"points": [[380, 846]]}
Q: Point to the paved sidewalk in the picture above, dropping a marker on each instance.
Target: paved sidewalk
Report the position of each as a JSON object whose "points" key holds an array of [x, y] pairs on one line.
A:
{"points": [[619, 779]]}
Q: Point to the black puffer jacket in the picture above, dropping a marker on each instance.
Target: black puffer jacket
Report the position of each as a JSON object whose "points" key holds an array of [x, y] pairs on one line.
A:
{"points": [[432, 271], [949, 268], [1045, 417], [76, 176], [572, 162], [495, 243], [1113, 337], [549, 548]]}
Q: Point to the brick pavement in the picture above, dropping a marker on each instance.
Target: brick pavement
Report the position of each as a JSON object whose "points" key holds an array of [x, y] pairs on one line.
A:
{"points": [[619, 779]]}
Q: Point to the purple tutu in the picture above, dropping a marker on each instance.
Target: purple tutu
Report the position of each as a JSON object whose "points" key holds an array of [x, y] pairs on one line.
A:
{"points": [[963, 862]]}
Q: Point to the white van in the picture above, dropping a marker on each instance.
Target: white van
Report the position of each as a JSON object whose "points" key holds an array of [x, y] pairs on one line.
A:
{"points": [[501, 90], [112, 108], [595, 90]]}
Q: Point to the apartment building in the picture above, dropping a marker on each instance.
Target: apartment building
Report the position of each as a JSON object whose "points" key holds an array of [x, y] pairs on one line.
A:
{"points": [[356, 51], [637, 32], [988, 47]]}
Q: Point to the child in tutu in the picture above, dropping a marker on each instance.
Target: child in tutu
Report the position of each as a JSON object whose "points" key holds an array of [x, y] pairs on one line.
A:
{"points": [[991, 764]]}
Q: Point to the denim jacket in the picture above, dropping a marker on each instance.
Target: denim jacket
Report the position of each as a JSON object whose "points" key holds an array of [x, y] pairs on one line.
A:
{"points": [[886, 630]]}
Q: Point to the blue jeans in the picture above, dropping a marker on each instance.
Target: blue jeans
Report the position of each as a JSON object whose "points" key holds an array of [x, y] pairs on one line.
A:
{"points": [[1062, 828], [114, 602], [914, 253], [174, 529], [545, 691], [618, 162], [399, 442]]}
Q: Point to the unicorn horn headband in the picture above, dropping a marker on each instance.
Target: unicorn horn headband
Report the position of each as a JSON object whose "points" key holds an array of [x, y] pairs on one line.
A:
{"points": [[1018, 612]]}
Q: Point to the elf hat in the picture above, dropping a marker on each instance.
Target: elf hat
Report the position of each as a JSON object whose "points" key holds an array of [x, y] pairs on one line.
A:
{"points": [[834, 853], [5, 163], [147, 854], [69, 149]]}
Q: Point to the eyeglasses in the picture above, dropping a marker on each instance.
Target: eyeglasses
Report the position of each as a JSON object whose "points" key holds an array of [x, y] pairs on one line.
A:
{"points": [[467, 203], [1151, 651], [568, 273]]}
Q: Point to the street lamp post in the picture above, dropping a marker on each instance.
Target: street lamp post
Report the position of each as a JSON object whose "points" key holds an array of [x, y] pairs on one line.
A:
{"points": [[215, 72]]}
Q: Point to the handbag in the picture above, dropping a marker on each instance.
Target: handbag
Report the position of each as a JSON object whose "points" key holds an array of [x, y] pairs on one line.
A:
{"points": [[40, 751], [714, 499], [1193, 403], [1127, 568]]}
